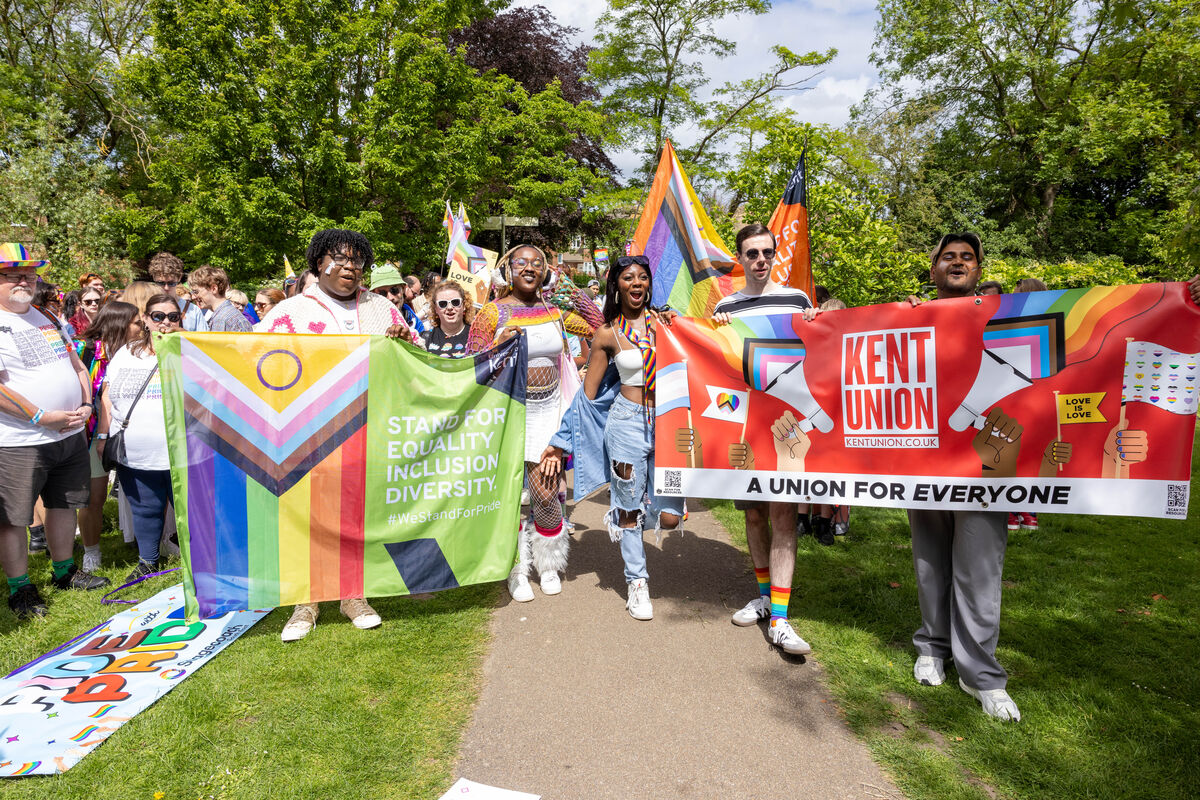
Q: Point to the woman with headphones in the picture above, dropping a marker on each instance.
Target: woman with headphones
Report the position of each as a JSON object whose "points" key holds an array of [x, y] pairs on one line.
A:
{"points": [[526, 303]]}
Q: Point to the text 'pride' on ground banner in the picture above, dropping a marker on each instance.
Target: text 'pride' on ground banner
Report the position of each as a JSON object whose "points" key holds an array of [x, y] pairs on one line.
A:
{"points": [[309, 468], [1075, 401]]}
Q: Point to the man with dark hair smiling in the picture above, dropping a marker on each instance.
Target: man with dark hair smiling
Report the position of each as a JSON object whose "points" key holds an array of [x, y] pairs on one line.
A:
{"points": [[335, 304]]}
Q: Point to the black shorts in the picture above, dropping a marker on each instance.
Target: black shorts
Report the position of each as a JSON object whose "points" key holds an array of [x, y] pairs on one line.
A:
{"points": [[58, 472], [747, 505]]}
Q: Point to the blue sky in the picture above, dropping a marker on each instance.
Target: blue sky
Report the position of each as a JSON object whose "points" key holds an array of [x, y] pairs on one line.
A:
{"points": [[801, 25]]}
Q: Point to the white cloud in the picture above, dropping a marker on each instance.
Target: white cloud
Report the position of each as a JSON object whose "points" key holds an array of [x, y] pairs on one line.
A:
{"points": [[800, 25]]}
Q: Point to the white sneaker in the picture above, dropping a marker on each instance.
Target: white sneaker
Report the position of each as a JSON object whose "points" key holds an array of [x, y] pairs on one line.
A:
{"points": [[929, 670], [550, 583], [996, 702], [520, 589], [361, 615], [787, 640], [752, 612], [639, 600], [303, 620]]}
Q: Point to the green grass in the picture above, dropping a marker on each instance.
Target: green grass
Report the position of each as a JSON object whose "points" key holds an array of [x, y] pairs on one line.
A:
{"points": [[344, 713], [1099, 634]]}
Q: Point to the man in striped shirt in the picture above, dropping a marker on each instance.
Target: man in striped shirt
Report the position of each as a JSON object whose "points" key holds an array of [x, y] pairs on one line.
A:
{"points": [[770, 527]]}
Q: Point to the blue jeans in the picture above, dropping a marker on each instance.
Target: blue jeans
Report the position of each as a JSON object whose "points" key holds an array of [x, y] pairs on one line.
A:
{"points": [[629, 439], [149, 493]]}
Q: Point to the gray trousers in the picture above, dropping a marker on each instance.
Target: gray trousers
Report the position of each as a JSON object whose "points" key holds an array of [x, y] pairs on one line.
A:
{"points": [[959, 558]]}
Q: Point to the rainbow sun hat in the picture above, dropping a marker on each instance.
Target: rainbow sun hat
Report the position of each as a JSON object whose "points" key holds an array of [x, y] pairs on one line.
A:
{"points": [[15, 255]]}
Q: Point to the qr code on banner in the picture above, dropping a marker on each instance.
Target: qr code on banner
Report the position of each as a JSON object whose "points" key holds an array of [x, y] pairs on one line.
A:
{"points": [[672, 482], [1177, 500]]}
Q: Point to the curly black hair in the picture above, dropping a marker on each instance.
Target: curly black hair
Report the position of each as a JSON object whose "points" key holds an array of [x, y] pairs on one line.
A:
{"points": [[338, 240]]}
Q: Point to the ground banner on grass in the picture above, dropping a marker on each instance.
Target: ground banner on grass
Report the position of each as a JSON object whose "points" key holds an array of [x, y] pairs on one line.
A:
{"points": [[55, 710], [954, 404], [692, 267], [309, 468]]}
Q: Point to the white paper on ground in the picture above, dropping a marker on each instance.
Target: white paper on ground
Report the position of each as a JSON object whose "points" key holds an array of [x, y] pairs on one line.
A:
{"points": [[478, 791]]}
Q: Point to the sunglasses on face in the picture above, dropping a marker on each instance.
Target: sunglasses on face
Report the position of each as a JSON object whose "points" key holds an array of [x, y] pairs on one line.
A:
{"points": [[768, 254], [167, 284], [92, 302], [160, 316], [260, 306], [453, 302]]}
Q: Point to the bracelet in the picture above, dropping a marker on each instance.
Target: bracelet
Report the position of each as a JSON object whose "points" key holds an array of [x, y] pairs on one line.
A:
{"points": [[100, 436], [36, 417], [89, 404]]}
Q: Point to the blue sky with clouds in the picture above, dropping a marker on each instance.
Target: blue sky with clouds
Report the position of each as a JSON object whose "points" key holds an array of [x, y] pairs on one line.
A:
{"points": [[800, 25]]}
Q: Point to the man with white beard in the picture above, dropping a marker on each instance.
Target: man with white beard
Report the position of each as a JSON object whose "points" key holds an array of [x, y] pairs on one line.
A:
{"points": [[45, 403]]}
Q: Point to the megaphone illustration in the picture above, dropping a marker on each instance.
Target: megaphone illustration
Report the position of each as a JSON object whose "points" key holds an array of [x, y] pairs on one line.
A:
{"points": [[996, 380], [792, 388]]}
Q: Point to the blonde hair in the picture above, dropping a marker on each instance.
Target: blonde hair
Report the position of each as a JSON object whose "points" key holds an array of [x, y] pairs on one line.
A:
{"points": [[138, 292]]}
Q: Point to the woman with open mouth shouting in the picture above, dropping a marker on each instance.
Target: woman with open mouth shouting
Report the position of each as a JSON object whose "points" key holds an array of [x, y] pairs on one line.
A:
{"points": [[552, 381], [623, 351]]}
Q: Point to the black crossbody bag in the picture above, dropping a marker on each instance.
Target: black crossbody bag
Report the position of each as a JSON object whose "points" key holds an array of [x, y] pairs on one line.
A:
{"points": [[114, 448]]}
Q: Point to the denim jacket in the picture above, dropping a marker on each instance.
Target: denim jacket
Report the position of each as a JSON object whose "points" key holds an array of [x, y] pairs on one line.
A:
{"points": [[582, 434]]}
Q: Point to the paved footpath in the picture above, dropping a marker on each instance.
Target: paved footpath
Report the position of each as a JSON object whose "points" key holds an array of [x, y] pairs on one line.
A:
{"points": [[580, 701]]}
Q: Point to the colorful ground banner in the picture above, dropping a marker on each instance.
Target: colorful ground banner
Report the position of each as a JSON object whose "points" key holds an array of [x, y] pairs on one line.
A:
{"points": [[789, 222], [55, 710], [1080, 401], [297, 489], [692, 267]]}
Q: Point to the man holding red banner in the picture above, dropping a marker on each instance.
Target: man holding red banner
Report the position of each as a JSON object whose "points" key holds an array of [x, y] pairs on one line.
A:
{"points": [[770, 527]]}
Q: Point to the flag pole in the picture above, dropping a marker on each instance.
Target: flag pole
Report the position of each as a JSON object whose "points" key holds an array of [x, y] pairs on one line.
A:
{"points": [[1057, 426]]}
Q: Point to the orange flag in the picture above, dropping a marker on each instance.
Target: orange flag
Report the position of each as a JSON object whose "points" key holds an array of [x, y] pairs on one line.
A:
{"points": [[789, 223]]}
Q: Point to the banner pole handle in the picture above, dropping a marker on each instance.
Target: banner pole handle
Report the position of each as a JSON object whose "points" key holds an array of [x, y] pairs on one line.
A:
{"points": [[692, 450], [1122, 468], [1057, 424]]}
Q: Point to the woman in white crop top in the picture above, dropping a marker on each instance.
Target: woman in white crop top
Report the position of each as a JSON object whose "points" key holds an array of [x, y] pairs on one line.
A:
{"points": [[627, 340]]}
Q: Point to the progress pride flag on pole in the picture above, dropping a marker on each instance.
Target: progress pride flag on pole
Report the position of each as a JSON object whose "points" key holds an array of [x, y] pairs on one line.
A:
{"points": [[954, 404]]}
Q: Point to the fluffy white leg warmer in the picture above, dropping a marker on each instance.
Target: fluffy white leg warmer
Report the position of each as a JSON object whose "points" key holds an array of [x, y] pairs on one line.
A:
{"points": [[550, 552]]}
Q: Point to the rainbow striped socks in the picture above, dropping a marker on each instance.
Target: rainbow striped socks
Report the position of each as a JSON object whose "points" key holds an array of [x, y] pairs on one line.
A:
{"points": [[779, 602], [763, 576]]}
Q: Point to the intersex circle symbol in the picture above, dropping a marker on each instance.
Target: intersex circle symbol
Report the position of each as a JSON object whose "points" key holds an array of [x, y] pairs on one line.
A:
{"points": [[285, 387]]}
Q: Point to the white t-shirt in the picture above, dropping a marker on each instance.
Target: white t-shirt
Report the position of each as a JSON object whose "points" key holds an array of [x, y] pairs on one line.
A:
{"points": [[35, 362], [146, 436], [344, 311], [775, 300]]}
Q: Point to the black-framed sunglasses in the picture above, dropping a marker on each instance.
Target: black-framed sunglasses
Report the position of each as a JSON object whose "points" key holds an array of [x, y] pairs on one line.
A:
{"points": [[753, 254], [159, 316], [93, 302], [168, 285], [259, 306], [628, 261], [453, 302]]}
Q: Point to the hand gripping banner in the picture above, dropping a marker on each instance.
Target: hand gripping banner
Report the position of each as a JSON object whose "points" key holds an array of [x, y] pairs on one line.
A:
{"points": [[1078, 401], [309, 468]]}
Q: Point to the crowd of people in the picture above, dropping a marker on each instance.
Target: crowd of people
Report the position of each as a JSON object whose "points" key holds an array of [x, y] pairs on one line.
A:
{"points": [[81, 400]]}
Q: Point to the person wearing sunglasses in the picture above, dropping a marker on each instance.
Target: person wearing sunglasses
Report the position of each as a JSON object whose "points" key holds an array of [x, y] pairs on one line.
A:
{"points": [[266, 299], [452, 316], [166, 269], [770, 527], [90, 301], [526, 305], [386, 281], [133, 383]]}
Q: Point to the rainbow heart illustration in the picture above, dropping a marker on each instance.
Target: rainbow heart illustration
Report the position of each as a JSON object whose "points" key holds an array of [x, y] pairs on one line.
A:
{"points": [[728, 402]]}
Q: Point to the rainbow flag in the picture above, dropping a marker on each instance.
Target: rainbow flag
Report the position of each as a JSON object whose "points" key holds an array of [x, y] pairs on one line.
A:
{"points": [[459, 252], [290, 490], [692, 267]]}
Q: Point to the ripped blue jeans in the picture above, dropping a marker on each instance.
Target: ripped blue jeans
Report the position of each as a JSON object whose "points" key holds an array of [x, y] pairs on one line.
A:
{"points": [[629, 438]]}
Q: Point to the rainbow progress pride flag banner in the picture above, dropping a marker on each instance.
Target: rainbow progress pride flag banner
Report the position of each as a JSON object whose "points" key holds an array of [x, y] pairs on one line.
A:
{"points": [[1074, 401], [309, 468]]}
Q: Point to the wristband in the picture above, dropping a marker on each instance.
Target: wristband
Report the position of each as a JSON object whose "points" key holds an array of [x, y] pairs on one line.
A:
{"points": [[89, 404], [100, 436], [36, 417]]}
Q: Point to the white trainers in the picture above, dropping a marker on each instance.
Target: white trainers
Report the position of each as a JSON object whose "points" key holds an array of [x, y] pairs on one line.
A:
{"points": [[360, 613], [551, 583], [752, 612], [787, 640], [929, 670], [639, 600], [996, 702], [303, 620], [519, 588]]}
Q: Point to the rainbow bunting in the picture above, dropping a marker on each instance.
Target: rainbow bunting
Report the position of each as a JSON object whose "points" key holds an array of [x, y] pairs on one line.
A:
{"points": [[692, 267]]}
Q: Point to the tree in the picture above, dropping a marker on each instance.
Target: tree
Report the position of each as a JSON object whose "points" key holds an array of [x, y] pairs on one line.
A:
{"points": [[648, 63], [275, 120], [1075, 123]]}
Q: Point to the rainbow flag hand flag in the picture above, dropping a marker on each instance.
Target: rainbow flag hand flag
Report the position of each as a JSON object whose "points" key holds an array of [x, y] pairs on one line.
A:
{"points": [[304, 471], [691, 266]]}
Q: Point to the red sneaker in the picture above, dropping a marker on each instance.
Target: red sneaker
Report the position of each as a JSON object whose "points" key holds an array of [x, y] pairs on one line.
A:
{"points": [[1029, 522], [1014, 521]]}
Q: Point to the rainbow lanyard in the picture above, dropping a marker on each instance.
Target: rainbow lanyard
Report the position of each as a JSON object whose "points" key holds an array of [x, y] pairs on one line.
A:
{"points": [[649, 366]]}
